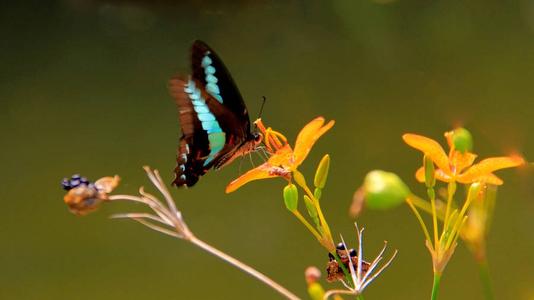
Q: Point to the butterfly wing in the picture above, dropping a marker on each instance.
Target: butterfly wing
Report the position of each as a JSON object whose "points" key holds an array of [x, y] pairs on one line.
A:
{"points": [[212, 115], [209, 69]]}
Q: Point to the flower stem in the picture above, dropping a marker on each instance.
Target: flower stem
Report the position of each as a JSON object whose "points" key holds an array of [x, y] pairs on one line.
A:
{"points": [[432, 196], [485, 278], [419, 218], [308, 225], [251, 271], [435, 287], [360, 297], [451, 190], [324, 224]]}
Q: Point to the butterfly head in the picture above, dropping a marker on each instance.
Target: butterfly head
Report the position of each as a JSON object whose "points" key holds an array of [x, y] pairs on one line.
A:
{"points": [[257, 138]]}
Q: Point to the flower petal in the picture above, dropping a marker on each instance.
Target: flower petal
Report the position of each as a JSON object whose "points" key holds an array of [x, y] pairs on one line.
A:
{"points": [[486, 178], [489, 165], [440, 175], [282, 157], [260, 172], [462, 160], [307, 138], [429, 147]]}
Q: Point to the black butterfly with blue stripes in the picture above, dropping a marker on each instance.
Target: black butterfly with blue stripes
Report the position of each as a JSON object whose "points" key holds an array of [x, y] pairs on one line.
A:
{"points": [[213, 117]]}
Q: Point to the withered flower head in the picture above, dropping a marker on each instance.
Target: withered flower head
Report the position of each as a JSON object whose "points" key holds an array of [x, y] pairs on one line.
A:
{"points": [[84, 196]]}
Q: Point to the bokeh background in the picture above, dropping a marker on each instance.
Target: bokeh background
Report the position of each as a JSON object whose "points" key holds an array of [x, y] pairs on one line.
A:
{"points": [[83, 89]]}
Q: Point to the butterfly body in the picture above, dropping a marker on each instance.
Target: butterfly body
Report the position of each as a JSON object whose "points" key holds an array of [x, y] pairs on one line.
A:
{"points": [[213, 118]]}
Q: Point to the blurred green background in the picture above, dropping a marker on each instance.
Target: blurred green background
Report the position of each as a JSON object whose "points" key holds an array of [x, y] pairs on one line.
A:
{"points": [[83, 90]]}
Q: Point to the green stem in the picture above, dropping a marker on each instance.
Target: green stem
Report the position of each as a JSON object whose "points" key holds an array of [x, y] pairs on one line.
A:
{"points": [[346, 272], [308, 225], [435, 287], [451, 190], [432, 196], [419, 218], [359, 297], [324, 224], [485, 278]]}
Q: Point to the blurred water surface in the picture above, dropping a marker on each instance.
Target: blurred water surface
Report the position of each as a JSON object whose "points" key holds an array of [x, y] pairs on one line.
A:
{"points": [[83, 89]]}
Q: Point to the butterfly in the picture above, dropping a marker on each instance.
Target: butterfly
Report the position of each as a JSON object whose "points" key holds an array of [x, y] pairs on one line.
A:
{"points": [[213, 118]]}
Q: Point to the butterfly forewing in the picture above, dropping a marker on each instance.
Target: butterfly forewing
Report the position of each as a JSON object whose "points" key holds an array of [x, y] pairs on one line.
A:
{"points": [[209, 69], [212, 115]]}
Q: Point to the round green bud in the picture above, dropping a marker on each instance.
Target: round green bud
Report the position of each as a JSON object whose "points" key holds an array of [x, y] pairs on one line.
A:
{"points": [[462, 140], [384, 190], [291, 197]]}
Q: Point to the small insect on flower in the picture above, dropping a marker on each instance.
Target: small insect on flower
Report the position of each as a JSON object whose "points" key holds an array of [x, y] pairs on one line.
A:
{"points": [[84, 196], [334, 271]]}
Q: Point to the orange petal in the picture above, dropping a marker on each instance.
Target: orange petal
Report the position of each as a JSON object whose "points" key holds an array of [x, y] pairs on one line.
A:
{"points": [[308, 136], [486, 178], [260, 172], [282, 157], [430, 148], [489, 165], [440, 175], [463, 160]]}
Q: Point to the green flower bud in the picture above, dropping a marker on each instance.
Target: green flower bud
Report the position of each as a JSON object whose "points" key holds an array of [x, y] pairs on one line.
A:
{"points": [[291, 197], [430, 172], [299, 178], [384, 190], [312, 211], [321, 174], [316, 291], [317, 193], [462, 140]]}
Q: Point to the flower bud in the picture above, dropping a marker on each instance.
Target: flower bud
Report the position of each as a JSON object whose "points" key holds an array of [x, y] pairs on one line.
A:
{"points": [[384, 190], [299, 178], [321, 174], [430, 172], [291, 197], [462, 140], [312, 210]]}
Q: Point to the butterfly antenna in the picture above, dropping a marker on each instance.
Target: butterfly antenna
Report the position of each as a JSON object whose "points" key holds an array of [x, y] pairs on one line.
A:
{"points": [[264, 99]]}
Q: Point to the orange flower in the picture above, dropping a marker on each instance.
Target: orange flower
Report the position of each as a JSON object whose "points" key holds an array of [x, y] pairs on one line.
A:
{"points": [[284, 159], [458, 166]]}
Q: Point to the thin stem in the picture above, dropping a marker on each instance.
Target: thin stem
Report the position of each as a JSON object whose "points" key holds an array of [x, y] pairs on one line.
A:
{"points": [[324, 224], [419, 218], [483, 271], [435, 287], [432, 196], [420, 203], [251, 271], [451, 190], [336, 292], [360, 297], [346, 272], [308, 225]]}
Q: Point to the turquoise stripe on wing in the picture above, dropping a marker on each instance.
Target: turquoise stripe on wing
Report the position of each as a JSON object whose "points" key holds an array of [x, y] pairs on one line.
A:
{"points": [[217, 141], [216, 137]]}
